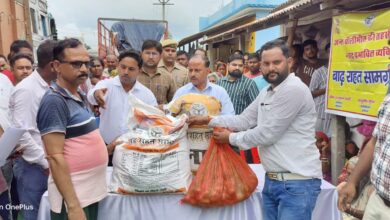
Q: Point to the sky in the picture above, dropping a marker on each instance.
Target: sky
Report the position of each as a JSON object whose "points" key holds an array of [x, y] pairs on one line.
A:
{"points": [[78, 18]]}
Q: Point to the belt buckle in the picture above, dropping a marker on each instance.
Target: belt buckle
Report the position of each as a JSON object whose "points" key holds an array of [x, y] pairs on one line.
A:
{"points": [[273, 176]]}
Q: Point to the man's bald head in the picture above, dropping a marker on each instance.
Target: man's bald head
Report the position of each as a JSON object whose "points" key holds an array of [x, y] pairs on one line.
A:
{"points": [[203, 59]]}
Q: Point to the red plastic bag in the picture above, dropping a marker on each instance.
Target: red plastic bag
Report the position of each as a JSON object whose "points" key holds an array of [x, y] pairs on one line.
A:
{"points": [[223, 178]]}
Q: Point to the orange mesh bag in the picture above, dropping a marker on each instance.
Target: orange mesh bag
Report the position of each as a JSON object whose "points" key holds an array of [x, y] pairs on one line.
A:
{"points": [[223, 178]]}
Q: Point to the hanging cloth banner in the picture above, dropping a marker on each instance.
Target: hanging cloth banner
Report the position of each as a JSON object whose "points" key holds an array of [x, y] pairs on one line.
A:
{"points": [[359, 75]]}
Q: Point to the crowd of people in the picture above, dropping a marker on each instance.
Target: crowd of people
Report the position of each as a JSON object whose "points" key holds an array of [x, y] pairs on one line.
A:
{"points": [[74, 107]]}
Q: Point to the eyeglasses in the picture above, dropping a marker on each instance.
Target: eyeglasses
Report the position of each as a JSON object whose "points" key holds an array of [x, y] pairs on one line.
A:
{"points": [[78, 64]]}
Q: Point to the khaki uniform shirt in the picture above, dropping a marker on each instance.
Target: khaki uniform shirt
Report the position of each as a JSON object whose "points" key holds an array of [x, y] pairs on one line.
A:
{"points": [[179, 73], [161, 84]]}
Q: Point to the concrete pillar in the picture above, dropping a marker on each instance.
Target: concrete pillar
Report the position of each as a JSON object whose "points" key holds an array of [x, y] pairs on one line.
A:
{"points": [[337, 146]]}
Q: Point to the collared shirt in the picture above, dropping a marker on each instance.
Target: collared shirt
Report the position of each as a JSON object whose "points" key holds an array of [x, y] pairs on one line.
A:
{"points": [[24, 104], [113, 118], [319, 81], [211, 90], [281, 122], [179, 73], [84, 150], [380, 171], [6, 88], [242, 92], [161, 84]]}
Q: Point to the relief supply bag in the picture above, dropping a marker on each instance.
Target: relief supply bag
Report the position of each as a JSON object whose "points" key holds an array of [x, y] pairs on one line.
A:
{"points": [[154, 155], [198, 136], [223, 178]]}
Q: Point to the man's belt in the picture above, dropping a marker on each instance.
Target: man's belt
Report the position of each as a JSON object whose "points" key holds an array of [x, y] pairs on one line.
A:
{"points": [[283, 176], [387, 202]]}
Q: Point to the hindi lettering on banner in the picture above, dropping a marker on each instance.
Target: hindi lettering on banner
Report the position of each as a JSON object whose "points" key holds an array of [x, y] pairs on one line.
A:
{"points": [[359, 64]]}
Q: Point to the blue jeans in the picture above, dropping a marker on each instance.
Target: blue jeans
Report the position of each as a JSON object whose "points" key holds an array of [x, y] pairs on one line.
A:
{"points": [[289, 200], [31, 184], [4, 200]]}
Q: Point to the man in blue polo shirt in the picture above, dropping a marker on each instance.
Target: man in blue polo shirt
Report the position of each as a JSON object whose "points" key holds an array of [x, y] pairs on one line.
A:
{"points": [[75, 150]]}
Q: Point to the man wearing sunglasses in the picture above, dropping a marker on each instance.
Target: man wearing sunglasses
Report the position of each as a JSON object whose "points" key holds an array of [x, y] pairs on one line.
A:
{"points": [[76, 152], [31, 168]]}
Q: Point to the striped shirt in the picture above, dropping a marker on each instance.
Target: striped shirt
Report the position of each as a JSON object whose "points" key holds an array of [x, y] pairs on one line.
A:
{"points": [[243, 91], [380, 172], [84, 150], [161, 84], [319, 81]]}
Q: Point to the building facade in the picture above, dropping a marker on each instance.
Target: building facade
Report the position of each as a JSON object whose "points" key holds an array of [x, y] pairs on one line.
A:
{"points": [[230, 16], [25, 20]]}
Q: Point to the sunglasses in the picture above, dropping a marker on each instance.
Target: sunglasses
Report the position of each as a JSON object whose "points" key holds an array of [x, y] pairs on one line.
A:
{"points": [[78, 64]]}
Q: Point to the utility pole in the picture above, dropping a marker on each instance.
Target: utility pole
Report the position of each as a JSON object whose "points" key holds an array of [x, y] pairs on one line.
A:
{"points": [[163, 3]]}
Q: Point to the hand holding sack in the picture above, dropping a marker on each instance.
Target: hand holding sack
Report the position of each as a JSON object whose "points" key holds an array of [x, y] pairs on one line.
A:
{"points": [[198, 136], [154, 155], [223, 178]]}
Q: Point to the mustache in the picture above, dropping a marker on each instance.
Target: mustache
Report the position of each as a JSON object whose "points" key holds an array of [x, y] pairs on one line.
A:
{"points": [[83, 75]]}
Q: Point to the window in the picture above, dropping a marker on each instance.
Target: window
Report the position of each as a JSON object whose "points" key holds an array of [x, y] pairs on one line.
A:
{"points": [[44, 25], [33, 21]]}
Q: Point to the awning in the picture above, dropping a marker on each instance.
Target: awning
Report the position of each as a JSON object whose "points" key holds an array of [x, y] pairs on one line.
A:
{"points": [[218, 29], [297, 9], [276, 17]]}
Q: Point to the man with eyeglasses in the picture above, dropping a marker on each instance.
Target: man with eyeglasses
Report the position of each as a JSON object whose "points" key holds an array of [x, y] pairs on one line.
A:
{"points": [[281, 122], [160, 83], [31, 169], [75, 150], [112, 96]]}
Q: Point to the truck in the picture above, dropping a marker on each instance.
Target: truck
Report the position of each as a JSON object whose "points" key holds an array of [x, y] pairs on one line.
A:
{"points": [[117, 34]]}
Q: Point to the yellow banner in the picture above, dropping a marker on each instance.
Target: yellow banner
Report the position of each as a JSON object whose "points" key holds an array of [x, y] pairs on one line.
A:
{"points": [[359, 73]]}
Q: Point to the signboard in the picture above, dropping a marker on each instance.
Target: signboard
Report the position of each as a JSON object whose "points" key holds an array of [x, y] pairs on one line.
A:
{"points": [[359, 75]]}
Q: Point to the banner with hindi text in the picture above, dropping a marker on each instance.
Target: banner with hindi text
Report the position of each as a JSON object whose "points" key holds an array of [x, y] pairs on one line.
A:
{"points": [[359, 73]]}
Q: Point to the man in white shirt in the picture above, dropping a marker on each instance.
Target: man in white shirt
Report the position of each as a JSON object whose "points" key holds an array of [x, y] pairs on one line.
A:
{"points": [[112, 96], [31, 169], [198, 71], [5, 92], [6, 88], [281, 121]]}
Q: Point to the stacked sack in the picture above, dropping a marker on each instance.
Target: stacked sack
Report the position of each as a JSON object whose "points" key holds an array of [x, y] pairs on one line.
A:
{"points": [[198, 135]]}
